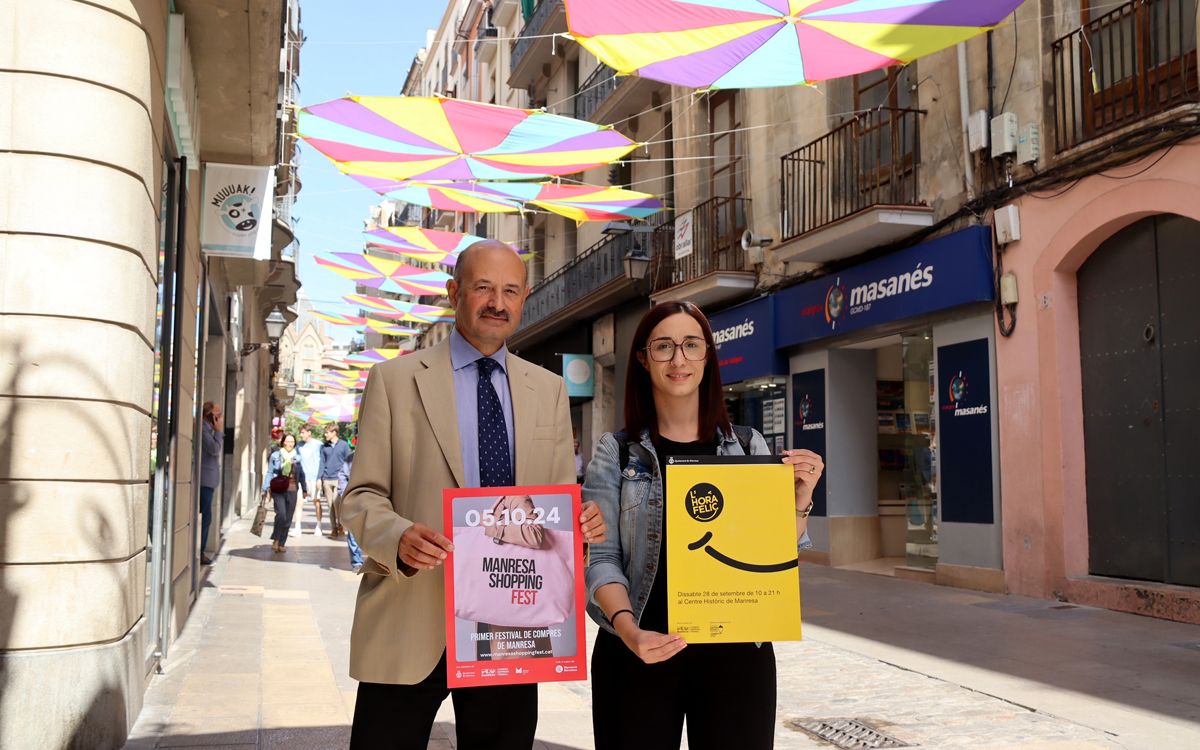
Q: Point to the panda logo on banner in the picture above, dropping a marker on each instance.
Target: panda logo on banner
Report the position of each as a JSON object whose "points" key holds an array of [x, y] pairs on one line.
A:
{"points": [[239, 207]]}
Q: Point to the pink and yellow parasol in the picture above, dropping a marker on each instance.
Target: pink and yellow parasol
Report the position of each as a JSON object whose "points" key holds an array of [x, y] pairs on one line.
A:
{"points": [[405, 311], [334, 407], [429, 245], [373, 356], [385, 274], [726, 44], [380, 326], [578, 202], [435, 138], [339, 319]]}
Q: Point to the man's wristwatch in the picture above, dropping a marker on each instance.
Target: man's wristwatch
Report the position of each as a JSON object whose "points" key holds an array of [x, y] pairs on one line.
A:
{"points": [[804, 513]]}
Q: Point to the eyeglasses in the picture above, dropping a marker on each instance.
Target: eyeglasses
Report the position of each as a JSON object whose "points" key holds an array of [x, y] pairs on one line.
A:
{"points": [[663, 350]]}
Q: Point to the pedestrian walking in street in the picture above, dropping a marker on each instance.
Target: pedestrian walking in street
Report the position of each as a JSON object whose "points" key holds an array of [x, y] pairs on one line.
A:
{"points": [[284, 477], [333, 456], [464, 413], [673, 406], [212, 442], [310, 457], [356, 556]]}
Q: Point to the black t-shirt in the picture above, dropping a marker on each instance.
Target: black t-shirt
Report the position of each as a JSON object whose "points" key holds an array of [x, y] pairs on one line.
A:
{"points": [[654, 616]]}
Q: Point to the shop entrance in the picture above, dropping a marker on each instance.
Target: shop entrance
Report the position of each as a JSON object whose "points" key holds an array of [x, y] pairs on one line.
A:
{"points": [[761, 404], [905, 395], [1139, 341]]}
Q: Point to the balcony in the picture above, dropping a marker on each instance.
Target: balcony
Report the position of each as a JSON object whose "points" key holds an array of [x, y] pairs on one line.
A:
{"points": [[714, 272], [535, 45], [1123, 67], [854, 188], [486, 39], [593, 282], [594, 91]]}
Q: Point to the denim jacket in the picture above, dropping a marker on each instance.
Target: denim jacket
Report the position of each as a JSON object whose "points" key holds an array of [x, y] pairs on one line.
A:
{"points": [[631, 499], [275, 468]]}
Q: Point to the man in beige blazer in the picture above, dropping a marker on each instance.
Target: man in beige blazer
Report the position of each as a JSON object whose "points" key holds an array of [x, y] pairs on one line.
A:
{"points": [[427, 423]]}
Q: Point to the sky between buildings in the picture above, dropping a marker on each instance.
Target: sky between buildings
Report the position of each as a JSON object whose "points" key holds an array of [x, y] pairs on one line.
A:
{"points": [[361, 47]]}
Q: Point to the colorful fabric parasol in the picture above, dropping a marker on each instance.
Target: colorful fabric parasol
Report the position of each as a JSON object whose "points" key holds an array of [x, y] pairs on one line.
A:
{"points": [[429, 245], [578, 202], [381, 326], [434, 138], [339, 319], [344, 379], [465, 197], [725, 44], [385, 274], [405, 311], [373, 356], [390, 329], [331, 407]]}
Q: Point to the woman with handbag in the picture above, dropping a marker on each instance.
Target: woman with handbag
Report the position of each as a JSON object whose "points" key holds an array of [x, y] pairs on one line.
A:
{"points": [[673, 406], [285, 473]]}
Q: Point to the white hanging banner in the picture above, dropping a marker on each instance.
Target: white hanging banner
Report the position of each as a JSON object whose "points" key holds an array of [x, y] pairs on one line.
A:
{"points": [[236, 212], [683, 235]]}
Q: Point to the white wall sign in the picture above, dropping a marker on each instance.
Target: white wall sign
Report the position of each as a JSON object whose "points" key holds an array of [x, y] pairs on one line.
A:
{"points": [[237, 211], [683, 235]]}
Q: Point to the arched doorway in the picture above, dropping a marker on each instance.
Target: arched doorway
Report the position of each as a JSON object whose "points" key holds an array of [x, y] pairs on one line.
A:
{"points": [[1139, 335]]}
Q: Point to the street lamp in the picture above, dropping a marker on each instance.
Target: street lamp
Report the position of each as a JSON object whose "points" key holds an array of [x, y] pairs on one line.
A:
{"points": [[637, 263], [275, 324]]}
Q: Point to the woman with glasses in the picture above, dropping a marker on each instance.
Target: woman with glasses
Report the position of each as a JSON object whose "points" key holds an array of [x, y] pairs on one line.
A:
{"points": [[673, 406]]}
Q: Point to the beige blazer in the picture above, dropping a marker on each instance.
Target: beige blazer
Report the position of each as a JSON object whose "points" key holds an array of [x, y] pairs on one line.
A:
{"points": [[408, 452]]}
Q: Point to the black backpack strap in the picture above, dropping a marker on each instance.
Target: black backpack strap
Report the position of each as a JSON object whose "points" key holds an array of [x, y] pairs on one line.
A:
{"points": [[622, 451], [744, 435]]}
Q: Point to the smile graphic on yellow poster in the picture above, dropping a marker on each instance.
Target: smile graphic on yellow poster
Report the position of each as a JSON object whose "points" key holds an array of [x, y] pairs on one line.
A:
{"points": [[732, 573]]}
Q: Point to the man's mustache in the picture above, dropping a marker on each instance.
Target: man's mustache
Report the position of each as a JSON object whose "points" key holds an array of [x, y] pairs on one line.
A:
{"points": [[493, 312]]}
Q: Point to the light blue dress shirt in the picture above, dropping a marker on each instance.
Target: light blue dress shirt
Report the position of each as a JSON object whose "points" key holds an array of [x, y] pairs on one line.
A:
{"points": [[466, 379]]}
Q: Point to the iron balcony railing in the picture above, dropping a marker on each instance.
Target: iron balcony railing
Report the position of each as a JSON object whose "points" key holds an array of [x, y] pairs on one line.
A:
{"points": [[531, 31], [871, 160], [1122, 67], [717, 226], [594, 91], [593, 269]]}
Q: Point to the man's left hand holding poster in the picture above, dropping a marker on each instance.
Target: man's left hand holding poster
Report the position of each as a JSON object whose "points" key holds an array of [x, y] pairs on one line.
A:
{"points": [[514, 586]]}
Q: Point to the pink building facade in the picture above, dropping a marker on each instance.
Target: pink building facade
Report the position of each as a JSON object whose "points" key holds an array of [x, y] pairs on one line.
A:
{"points": [[1097, 392]]}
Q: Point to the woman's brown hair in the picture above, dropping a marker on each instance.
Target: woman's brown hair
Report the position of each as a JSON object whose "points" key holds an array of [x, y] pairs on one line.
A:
{"points": [[640, 413]]}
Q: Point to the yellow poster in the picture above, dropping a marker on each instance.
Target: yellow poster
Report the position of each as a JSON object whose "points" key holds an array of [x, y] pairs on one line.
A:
{"points": [[732, 574]]}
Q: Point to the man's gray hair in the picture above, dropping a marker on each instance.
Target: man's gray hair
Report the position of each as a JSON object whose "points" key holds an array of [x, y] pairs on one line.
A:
{"points": [[461, 262]]}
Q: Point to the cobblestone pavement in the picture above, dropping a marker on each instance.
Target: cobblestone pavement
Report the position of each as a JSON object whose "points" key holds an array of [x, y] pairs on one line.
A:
{"points": [[263, 662]]}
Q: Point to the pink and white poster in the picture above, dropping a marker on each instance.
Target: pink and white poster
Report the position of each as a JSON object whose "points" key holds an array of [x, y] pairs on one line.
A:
{"points": [[514, 586]]}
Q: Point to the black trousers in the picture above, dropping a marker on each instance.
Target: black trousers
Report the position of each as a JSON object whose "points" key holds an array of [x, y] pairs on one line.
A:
{"points": [[726, 691], [400, 717]]}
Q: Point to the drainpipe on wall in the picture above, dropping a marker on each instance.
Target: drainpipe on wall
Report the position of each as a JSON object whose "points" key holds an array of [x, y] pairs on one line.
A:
{"points": [[965, 109]]}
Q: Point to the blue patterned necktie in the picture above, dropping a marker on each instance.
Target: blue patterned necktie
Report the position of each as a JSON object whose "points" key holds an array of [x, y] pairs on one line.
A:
{"points": [[495, 462]]}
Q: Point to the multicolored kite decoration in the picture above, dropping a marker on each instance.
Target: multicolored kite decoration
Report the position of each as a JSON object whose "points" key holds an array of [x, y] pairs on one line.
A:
{"points": [[730, 44], [578, 202], [339, 319], [330, 407], [435, 138], [344, 379], [429, 245], [384, 274], [404, 311], [373, 356], [360, 322], [389, 329]]}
